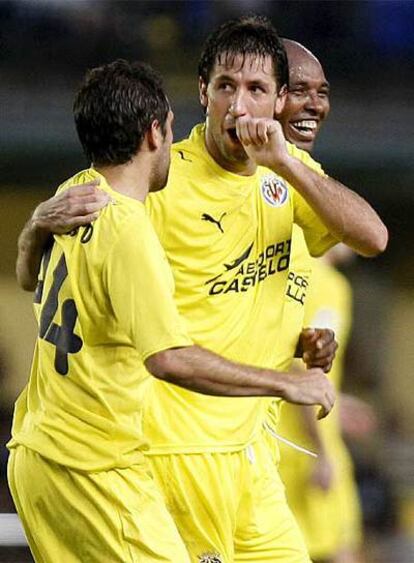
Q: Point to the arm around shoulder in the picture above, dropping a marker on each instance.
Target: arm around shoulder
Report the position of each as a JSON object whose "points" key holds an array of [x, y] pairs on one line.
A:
{"points": [[30, 245]]}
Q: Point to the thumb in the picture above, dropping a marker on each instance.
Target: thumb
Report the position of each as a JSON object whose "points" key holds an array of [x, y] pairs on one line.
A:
{"points": [[309, 334]]}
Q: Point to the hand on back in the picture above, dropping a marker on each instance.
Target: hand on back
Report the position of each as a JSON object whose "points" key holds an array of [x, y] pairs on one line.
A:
{"points": [[74, 207]]}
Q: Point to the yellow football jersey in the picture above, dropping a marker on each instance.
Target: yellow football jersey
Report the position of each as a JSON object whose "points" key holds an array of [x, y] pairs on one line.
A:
{"points": [[328, 305], [227, 238], [300, 270], [299, 278], [104, 304]]}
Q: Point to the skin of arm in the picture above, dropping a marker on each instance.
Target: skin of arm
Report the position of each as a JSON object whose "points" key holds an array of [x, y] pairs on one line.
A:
{"points": [[200, 370], [323, 469], [348, 217], [358, 418], [32, 241]]}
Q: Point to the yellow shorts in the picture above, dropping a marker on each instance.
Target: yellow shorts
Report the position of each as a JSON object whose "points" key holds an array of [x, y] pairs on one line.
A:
{"points": [[330, 520], [230, 507], [104, 517]]}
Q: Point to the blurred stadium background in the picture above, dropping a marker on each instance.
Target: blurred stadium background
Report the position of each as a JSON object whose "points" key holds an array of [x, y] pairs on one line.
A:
{"points": [[367, 50]]}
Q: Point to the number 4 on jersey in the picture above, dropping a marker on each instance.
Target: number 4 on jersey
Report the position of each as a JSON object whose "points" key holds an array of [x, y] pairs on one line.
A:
{"points": [[63, 337]]}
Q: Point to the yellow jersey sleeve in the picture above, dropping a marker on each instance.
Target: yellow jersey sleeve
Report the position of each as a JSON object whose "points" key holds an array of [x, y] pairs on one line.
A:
{"points": [[317, 236], [140, 285]]}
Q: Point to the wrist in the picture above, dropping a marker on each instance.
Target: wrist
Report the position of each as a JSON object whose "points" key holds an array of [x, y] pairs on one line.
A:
{"points": [[285, 166], [278, 383], [37, 227]]}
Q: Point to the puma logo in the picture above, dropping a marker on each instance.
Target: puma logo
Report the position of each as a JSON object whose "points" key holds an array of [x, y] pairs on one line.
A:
{"points": [[207, 217]]}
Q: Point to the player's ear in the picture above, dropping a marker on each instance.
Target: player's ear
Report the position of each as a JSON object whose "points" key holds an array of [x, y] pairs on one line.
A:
{"points": [[280, 100], [154, 135], [202, 88]]}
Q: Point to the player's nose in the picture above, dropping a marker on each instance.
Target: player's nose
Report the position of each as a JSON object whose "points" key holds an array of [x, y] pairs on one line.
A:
{"points": [[314, 102], [238, 106]]}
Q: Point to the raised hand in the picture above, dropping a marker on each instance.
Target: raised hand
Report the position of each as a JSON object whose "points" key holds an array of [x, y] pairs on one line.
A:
{"points": [[263, 141]]}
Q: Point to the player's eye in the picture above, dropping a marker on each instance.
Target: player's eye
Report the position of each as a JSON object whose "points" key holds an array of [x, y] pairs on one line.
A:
{"points": [[297, 92], [225, 86], [257, 89]]}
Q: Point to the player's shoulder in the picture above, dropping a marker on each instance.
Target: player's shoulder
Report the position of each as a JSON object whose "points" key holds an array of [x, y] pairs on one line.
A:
{"points": [[187, 153], [183, 151], [81, 177], [304, 157], [185, 157]]}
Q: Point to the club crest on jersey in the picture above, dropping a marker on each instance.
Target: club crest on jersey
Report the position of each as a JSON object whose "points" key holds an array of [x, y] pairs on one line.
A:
{"points": [[209, 558], [274, 190]]}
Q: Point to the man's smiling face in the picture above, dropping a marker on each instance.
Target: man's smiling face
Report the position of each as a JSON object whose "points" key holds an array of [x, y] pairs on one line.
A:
{"points": [[307, 103]]}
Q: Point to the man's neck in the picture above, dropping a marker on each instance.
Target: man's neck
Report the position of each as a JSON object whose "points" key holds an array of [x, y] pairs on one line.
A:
{"points": [[130, 179]]}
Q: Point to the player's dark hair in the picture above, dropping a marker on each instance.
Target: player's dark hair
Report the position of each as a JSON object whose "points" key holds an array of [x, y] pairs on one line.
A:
{"points": [[246, 35], [114, 108]]}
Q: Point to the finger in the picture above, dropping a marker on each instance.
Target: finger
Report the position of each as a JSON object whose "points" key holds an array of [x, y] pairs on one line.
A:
{"points": [[327, 403], [253, 128], [324, 364], [261, 131], [242, 130], [324, 345], [82, 209], [323, 412], [80, 221], [326, 337], [313, 360], [273, 127], [309, 334], [83, 205], [252, 131], [83, 189], [327, 368], [320, 343], [323, 354]]}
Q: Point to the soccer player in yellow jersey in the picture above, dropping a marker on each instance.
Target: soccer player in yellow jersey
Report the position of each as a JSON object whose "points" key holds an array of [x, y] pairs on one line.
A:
{"points": [[104, 303], [322, 493], [225, 221]]}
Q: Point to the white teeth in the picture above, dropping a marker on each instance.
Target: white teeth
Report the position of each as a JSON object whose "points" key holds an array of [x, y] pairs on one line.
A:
{"points": [[306, 124]]}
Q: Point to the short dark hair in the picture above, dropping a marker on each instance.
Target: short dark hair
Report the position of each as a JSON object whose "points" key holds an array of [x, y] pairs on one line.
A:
{"points": [[114, 108], [246, 35]]}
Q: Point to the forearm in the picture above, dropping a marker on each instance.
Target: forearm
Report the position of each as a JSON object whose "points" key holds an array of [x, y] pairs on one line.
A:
{"points": [[348, 217], [310, 424], [203, 371], [30, 246]]}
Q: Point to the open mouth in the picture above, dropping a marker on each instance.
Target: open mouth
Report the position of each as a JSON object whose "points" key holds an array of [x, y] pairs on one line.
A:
{"points": [[233, 135], [305, 127]]}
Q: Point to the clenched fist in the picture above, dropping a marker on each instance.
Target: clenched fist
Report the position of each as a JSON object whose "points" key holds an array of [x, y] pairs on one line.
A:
{"points": [[263, 141]]}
